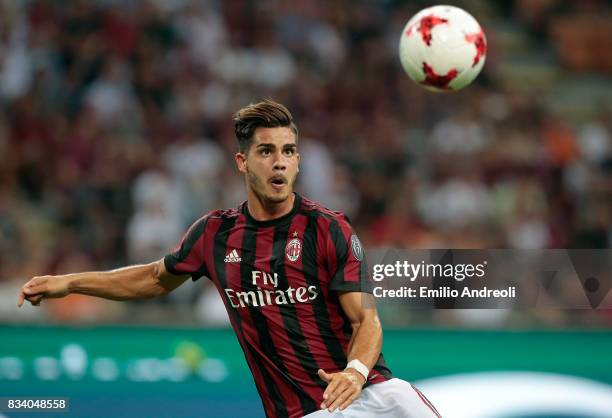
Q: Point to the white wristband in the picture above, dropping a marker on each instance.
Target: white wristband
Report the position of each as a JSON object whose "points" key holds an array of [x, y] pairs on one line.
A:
{"points": [[360, 367]]}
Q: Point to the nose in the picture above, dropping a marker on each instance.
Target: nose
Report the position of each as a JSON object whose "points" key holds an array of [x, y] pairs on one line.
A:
{"points": [[279, 163]]}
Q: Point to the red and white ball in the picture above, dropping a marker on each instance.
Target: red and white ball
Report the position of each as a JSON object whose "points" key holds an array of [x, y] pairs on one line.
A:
{"points": [[443, 48]]}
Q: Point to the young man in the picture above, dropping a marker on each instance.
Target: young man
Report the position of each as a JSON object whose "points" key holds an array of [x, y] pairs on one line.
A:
{"points": [[294, 281]]}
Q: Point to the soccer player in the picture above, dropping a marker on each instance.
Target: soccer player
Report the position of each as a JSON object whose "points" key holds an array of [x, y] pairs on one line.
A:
{"points": [[293, 277]]}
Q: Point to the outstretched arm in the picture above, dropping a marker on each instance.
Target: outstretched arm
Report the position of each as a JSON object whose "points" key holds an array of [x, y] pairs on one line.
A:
{"points": [[134, 282], [365, 345]]}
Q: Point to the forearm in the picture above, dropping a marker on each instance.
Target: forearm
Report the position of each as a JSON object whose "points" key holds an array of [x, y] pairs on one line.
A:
{"points": [[345, 386], [134, 282], [366, 341]]}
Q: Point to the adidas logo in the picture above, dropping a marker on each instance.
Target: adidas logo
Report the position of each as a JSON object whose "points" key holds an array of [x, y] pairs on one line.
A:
{"points": [[233, 257]]}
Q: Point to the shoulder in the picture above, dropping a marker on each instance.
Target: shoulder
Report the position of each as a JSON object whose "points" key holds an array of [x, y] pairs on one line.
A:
{"points": [[222, 214], [312, 207], [215, 215], [325, 216]]}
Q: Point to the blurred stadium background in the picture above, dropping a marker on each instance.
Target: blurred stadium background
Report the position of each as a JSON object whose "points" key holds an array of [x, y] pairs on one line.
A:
{"points": [[116, 133]]}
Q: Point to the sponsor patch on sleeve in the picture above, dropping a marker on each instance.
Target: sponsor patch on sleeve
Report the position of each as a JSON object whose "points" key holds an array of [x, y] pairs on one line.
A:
{"points": [[356, 247]]}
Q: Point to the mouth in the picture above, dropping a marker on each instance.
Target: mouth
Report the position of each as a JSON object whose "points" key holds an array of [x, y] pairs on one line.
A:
{"points": [[277, 182]]}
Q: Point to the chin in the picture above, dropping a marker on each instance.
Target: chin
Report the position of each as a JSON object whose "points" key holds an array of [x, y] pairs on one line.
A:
{"points": [[278, 198]]}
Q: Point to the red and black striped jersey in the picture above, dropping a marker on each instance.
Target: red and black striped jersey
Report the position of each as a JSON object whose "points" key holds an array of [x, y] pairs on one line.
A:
{"points": [[279, 280]]}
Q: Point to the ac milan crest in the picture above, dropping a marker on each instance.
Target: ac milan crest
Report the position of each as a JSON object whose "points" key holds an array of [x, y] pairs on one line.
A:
{"points": [[293, 250]]}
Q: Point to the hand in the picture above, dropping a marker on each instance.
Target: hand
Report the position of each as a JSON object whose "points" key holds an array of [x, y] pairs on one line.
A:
{"points": [[342, 388], [43, 287]]}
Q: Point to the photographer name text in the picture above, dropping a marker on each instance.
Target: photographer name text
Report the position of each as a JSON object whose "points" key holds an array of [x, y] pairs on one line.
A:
{"points": [[411, 272]]}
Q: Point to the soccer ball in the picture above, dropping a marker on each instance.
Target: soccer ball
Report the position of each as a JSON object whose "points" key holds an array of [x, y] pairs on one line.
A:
{"points": [[443, 48]]}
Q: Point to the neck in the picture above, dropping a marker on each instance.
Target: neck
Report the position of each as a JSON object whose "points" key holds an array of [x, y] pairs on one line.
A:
{"points": [[262, 209]]}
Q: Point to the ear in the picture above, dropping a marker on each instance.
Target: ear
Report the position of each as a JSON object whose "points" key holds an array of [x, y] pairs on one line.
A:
{"points": [[241, 162], [298, 160]]}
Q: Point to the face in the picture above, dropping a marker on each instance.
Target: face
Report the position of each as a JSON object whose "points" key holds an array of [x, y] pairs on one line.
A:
{"points": [[271, 164]]}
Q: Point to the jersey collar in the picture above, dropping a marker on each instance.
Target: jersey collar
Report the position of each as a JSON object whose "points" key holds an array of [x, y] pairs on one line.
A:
{"points": [[297, 202]]}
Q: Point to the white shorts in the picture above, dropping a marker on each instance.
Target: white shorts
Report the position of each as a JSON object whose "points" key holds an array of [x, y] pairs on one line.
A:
{"points": [[394, 398]]}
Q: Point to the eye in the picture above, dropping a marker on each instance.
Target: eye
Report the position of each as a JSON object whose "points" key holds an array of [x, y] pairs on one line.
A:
{"points": [[289, 152], [265, 152]]}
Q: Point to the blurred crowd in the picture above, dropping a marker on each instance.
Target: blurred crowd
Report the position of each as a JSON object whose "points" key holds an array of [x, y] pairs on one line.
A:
{"points": [[116, 131]]}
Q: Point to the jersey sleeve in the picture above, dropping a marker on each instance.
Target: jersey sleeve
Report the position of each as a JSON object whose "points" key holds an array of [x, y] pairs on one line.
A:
{"points": [[188, 256], [349, 271]]}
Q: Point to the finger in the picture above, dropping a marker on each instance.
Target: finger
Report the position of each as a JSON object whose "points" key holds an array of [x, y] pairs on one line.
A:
{"points": [[21, 298], [335, 392], [33, 287], [324, 376], [340, 399], [331, 388], [328, 394], [35, 281], [39, 286], [35, 300], [341, 386], [349, 401]]}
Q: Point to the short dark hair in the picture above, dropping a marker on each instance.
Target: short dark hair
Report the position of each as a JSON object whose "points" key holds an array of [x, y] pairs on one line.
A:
{"points": [[264, 114]]}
